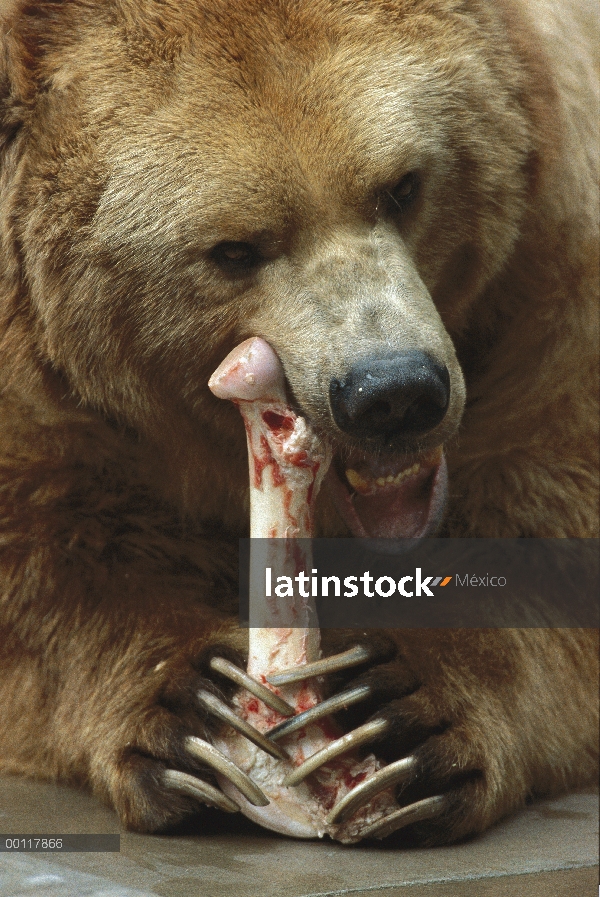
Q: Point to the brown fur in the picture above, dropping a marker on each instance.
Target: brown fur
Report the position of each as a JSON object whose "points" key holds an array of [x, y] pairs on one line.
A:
{"points": [[137, 135]]}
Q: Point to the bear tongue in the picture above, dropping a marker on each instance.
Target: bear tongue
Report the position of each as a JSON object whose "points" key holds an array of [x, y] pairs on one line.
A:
{"points": [[412, 509]]}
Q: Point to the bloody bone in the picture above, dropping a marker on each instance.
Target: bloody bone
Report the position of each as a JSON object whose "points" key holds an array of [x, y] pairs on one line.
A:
{"points": [[287, 464]]}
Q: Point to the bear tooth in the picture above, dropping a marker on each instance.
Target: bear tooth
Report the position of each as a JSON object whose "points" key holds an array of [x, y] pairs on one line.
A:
{"points": [[356, 481], [364, 485], [434, 456]]}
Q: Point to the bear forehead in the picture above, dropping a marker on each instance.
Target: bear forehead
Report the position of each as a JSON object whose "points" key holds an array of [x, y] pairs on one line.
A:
{"points": [[226, 121], [340, 126], [215, 74]]}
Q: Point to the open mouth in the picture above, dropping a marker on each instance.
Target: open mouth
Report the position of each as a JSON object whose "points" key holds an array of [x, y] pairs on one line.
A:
{"points": [[394, 497]]}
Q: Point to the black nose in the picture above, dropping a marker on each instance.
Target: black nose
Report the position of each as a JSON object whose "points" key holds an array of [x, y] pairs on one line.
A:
{"points": [[405, 394]]}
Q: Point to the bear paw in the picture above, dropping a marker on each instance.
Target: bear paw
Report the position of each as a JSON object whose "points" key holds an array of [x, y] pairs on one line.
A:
{"points": [[450, 741]]}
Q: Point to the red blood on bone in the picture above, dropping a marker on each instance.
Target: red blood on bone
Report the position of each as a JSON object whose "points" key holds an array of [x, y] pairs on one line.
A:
{"points": [[328, 729], [278, 422], [334, 771], [266, 459], [326, 794], [269, 461], [351, 781], [278, 477], [299, 558], [302, 705], [305, 699], [289, 517], [258, 466], [299, 459]]}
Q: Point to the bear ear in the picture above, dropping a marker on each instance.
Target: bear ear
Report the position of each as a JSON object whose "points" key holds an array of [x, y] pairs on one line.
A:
{"points": [[15, 86], [23, 37], [29, 32]]}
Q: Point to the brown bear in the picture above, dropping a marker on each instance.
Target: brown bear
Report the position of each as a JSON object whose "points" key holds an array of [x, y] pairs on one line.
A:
{"points": [[400, 197]]}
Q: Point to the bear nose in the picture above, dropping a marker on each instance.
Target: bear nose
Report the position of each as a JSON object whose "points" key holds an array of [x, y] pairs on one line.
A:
{"points": [[405, 394]]}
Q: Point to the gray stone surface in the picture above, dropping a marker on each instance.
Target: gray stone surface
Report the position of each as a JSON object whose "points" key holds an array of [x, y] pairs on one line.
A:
{"points": [[549, 849]]}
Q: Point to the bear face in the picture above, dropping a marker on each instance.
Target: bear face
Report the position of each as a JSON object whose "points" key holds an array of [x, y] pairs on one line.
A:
{"points": [[348, 225], [399, 197]]}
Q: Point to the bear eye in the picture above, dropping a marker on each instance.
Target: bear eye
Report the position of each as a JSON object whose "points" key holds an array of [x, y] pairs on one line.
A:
{"points": [[234, 256], [405, 191]]}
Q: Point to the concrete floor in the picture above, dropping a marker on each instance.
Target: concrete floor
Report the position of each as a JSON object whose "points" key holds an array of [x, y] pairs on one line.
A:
{"points": [[548, 850]]}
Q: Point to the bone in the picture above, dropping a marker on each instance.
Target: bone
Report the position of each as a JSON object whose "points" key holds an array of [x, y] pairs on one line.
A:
{"points": [[287, 463]]}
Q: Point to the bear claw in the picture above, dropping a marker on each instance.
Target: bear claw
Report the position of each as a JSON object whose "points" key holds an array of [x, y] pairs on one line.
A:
{"points": [[342, 745], [228, 669], [193, 787], [350, 658], [392, 774], [223, 712], [341, 701], [417, 812], [213, 757]]}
